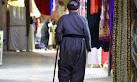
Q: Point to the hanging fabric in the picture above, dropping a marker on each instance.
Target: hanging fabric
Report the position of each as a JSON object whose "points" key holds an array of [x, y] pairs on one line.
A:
{"points": [[59, 11], [111, 15], [66, 2], [17, 28], [94, 57], [82, 8], [51, 6], [33, 9], [104, 57], [93, 22], [94, 6], [104, 29], [45, 6]]}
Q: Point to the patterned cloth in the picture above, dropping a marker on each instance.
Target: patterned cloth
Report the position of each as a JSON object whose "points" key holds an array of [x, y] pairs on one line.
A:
{"points": [[58, 12], [65, 2], [82, 8], [104, 29], [61, 10]]}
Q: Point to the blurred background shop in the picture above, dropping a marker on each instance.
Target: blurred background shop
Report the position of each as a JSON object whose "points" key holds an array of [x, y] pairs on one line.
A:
{"points": [[29, 28]]}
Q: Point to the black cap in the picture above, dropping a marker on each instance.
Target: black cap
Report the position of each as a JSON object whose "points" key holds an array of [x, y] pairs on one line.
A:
{"points": [[73, 5]]}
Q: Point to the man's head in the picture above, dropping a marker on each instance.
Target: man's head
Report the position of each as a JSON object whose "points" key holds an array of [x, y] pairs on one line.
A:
{"points": [[73, 5]]}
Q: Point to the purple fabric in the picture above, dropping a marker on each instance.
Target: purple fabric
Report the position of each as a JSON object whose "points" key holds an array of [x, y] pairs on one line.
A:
{"points": [[111, 12]]}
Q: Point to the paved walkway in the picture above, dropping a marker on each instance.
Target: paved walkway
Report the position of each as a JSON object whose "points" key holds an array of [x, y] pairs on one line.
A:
{"points": [[38, 67]]}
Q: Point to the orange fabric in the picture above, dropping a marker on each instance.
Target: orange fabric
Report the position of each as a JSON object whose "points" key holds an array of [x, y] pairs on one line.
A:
{"points": [[94, 6]]}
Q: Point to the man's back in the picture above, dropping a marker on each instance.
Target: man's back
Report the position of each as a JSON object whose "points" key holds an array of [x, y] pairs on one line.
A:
{"points": [[73, 23]]}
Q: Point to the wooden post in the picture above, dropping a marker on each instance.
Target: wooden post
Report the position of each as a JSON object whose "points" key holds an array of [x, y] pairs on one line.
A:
{"points": [[4, 21]]}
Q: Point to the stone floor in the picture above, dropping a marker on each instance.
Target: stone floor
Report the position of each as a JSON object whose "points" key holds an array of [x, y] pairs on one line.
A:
{"points": [[38, 67]]}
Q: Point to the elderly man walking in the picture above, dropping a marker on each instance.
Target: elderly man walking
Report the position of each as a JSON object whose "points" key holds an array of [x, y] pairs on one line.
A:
{"points": [[73, 36]]}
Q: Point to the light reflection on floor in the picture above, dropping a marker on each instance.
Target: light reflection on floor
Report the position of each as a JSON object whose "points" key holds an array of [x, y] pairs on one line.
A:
{"points": [[38, 66]]}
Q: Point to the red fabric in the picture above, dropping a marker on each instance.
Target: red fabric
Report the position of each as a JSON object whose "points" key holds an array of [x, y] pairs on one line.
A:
{"points": [[43, 6], [94, 6], [104, 57], [36, 24]]}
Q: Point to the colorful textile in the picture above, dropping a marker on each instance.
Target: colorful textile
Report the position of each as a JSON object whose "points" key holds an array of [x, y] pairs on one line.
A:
{"points": [[61, 10], [82, 8], [104, 29], [94, 6], [93, 22], [45, 6], [66, 2]]}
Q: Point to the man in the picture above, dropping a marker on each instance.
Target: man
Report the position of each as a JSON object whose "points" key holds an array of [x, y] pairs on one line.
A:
{"points": [[73, 36], [45, 34]]}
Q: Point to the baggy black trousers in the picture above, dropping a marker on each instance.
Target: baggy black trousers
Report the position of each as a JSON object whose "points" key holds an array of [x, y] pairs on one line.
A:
{"points": [[72, 60]]}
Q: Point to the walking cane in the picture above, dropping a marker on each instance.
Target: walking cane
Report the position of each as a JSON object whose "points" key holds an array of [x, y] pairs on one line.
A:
{"points": [[55, 63]]}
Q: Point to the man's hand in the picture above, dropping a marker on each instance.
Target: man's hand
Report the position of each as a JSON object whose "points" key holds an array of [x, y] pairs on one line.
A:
{"points": [[57, 46]]}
